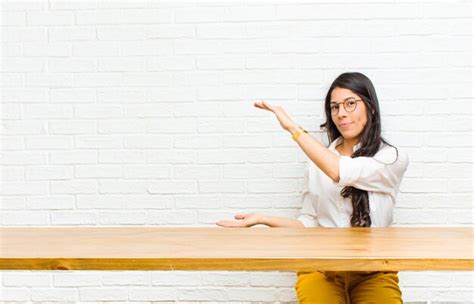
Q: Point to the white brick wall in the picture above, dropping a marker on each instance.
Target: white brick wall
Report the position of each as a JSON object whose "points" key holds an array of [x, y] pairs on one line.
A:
{"points": [[140, 113]]}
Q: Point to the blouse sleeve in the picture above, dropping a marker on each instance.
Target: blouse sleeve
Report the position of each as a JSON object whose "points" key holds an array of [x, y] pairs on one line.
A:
{"points": [[381, 173], [308, 215]]}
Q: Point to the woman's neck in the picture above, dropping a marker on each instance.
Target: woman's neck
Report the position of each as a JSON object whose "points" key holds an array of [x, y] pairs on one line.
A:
{"points": [[347, 145]]}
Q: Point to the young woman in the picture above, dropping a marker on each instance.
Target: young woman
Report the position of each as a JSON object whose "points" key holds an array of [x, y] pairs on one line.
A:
{"points": [[351, 183]]}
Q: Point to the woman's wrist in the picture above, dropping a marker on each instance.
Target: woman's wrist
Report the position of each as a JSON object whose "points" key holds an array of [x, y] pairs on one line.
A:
{"points": [[292, 129]]}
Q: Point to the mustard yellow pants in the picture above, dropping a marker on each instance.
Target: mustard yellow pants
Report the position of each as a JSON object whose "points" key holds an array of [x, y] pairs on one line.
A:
{"points": [[349, 287]]}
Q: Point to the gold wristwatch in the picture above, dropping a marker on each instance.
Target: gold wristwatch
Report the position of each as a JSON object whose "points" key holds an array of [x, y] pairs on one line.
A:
{"points": [[298, 132]]}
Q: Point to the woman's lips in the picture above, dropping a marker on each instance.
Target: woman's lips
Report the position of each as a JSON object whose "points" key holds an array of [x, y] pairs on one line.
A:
{"points": [[345, 125]]}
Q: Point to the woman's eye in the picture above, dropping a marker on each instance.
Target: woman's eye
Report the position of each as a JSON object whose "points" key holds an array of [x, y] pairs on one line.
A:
{"points": [[351, 103], [334, 107]]}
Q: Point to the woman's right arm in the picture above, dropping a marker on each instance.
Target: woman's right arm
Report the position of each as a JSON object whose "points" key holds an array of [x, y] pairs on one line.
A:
{"points": [[275, 221], [252, 219]]}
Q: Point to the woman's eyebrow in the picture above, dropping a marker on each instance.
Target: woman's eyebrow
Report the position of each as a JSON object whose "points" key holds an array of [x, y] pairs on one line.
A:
{"points": [[344, 99]]}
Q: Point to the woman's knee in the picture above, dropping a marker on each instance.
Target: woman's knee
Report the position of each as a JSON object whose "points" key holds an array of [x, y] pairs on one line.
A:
{"points": [[380, 287], [316, 287]]}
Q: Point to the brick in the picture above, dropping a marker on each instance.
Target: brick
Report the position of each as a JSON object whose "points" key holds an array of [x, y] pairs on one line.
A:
{"points": [[220, 31], [147, 48], [118, 95], [220, 125], [153, 294], [119, 157], [73, 187], [97, 171], [148, 171], [76, 279], [171, 63], [199, 15], [71, 65], [103, 294], [98, 142], [122, 186], [259, 294], [12, 18], [170, 31], [171, 94], [129, 16], [12, 79], [71, 33], [50, 18], [169, 187], [50, 202], [49, 173], [202, 294], [122, 218], [272, 186], [147, 142], [23, 158], [225, 278], [73, 218], [198, 141], [23, 64], [220, 93], [176, 125], [199, 201], [47, 111], [164, 218], [26, 218], [13, 173], [224, 186], [23, 34], [97, 111], [72, 127], [101, 201], [122, 126], [117, 33], [176, 278], [121, 65], [127, 278], [15, 294], [12, 142], [73, 157], [95, 80]]}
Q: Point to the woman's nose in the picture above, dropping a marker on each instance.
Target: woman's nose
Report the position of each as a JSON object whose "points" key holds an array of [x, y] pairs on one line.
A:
{"points": [[341, 112]]}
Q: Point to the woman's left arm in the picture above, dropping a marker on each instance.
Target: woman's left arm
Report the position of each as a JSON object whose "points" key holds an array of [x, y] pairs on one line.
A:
{"points": [[326, 160]]}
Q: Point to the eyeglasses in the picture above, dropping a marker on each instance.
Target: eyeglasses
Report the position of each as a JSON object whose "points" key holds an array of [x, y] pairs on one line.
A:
{"points": [[349, 105]]}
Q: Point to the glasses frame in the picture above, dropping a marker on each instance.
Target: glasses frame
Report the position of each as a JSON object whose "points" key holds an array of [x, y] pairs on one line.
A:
{"points": [[344, 105]]}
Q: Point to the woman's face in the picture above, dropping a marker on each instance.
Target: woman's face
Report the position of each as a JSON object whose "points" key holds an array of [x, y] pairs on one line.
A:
{"points": [[349, 124]]}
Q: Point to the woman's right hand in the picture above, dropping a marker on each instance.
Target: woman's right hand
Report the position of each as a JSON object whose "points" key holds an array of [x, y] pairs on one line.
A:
{"points": [[242, 220]]}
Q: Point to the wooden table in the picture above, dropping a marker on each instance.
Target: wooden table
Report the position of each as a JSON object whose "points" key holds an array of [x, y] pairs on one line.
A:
{"points": [[218, 248]]}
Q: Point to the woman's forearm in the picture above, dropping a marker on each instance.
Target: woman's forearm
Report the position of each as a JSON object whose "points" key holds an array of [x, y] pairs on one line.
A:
{"points": [[327, 161], [274, 221]]}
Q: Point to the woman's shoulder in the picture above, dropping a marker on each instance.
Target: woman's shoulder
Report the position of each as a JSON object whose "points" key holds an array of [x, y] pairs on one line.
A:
{"points": [[390, 154]]}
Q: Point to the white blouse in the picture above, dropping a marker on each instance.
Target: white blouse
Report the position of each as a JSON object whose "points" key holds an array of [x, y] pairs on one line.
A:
{"points": [[379, 175]]}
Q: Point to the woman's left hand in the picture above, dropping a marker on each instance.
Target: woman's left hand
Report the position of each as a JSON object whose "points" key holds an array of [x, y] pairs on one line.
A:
{"points": [[283, 118]]}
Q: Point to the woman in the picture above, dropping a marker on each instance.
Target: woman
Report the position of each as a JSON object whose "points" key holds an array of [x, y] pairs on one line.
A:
{"points": [[351, 183]]}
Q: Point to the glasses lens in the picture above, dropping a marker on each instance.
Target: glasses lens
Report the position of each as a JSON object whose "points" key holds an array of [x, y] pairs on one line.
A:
{"points": [[350, 105]]}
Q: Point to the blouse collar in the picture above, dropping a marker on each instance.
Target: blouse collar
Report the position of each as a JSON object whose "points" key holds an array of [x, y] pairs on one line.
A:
{"points": [[338, 140]]}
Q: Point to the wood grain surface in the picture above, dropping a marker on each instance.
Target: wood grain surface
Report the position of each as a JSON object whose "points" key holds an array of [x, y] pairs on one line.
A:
{"points": [[217, 248]]}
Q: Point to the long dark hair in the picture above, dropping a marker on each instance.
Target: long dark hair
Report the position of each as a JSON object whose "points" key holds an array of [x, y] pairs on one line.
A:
{"points": [[370, 139]]}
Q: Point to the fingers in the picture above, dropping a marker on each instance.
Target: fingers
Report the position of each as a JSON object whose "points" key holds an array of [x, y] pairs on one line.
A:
{"points": [[229, 224], [239, 216], [263, 105]]}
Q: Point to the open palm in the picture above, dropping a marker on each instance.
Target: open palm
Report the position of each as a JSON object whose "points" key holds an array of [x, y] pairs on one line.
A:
{"points": [[285, 121], [242, 220]]}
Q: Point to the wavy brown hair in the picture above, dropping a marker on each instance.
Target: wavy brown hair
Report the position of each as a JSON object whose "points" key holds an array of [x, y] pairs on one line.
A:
{"points": [[370, 138]]}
